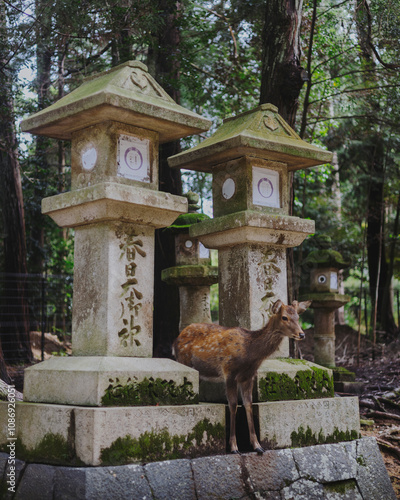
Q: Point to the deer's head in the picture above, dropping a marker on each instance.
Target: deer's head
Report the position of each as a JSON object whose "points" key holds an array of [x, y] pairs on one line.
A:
{"points": [[286, 319]]}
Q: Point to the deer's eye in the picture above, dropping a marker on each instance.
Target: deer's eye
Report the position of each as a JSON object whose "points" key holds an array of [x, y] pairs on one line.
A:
{"points": [[284, 318]]}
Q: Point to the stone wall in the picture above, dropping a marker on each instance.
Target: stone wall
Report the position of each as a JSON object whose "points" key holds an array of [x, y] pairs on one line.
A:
{"points": [[351, 470]]}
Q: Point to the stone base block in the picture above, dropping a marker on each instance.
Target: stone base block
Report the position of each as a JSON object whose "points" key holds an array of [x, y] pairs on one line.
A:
{"points": [[111, 381], [284, 424], [74, 435], [280, 379], [345, 471], [350, 387]]}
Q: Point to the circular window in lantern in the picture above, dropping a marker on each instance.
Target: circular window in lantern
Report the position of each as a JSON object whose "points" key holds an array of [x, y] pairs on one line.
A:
{"points": [[322, 279], [228, 188]]}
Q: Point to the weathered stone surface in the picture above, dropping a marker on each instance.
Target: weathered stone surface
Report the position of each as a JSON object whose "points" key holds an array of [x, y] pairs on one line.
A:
{"points": [[117, 435], [36, 483], [303, 490], [218, 477], [272, 471], [7, 488], [94, 380], [115, 483], [372, 475], [107, 201], [342, 490], [304, 423], [194, 305], [70, 483], [273, 476], [171, 479], [251, 226], [252, 277], [325, 465], [126, 94], [259, 132]]}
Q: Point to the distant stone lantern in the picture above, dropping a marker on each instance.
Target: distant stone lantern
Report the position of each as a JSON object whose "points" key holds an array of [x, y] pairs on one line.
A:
{"points": [[325, 265], [193, 273]]}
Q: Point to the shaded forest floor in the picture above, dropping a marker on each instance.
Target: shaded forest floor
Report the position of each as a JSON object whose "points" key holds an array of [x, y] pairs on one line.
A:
{"points": [[379, 398]]}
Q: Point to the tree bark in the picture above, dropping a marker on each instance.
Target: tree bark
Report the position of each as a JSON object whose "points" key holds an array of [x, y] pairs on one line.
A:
{"points": [[14, 312], [282, 76]]}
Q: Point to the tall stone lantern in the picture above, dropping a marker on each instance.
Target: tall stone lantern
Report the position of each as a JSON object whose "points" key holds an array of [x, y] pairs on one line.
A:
{"points": [[324, 265], [250, 157], [111, 387]]}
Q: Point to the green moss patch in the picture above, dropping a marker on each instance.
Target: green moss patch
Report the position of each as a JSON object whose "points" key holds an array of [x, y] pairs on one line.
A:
{"points": [[306, 384], [306, 437], [52, 449], [342, 487], [204, 439], [149, 392]]}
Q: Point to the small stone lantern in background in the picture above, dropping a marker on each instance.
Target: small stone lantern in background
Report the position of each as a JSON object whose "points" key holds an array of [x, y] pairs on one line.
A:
{"points": [[193, 273], [324, 265]]}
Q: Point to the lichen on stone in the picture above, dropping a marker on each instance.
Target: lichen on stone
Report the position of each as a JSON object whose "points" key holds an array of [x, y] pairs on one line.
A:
{"points": [[149, 392]]}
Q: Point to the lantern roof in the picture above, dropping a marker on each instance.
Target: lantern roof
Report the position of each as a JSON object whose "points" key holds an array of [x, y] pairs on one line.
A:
{"points": [[261, 133], [127, 94]]}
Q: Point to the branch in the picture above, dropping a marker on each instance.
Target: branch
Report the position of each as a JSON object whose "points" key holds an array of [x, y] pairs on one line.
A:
{"points": [[373, 118], [350, 91], [390, 66]]}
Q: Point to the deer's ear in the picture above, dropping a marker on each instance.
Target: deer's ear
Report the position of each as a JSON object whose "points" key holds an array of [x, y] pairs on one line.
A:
{"points": [[302, 306], [276, 306]]}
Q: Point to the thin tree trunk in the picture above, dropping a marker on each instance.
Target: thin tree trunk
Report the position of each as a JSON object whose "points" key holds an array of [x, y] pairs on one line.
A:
{"points": [[14, 327]]}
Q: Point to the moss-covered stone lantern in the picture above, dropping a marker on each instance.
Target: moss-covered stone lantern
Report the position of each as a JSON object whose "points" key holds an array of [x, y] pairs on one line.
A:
{"points": [[324, 265], [193, 273], [250, 157], [111, 390]]}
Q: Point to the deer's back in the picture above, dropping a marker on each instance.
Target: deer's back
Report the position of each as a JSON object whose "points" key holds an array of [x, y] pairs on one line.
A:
{"points": [[213, 350]]}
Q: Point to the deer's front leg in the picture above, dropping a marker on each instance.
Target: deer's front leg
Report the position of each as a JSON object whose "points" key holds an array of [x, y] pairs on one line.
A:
{"points": [[246, 388], [232, 396]]}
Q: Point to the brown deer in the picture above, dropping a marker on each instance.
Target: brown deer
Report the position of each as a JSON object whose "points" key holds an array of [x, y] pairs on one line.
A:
{"points": [[235, 354]]}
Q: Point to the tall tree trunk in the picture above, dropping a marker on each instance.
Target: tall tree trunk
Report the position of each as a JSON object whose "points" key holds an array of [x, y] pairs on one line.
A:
{"points": [[282, 76], [379, 275], [14, 312], [164, 62]]}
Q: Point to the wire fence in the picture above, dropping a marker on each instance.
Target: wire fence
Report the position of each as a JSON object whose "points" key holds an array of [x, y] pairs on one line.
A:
{"points": [[49, 302]]}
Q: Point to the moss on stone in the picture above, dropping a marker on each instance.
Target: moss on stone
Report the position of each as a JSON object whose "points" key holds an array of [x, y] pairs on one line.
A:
{"points": [[306, 437], [154, 446], [52, 449], [341, 374], [342, 487], [361, 461], [149, 392], [306, 384]]}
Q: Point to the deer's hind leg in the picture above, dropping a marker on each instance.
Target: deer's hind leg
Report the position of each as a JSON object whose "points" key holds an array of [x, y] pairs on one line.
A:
{"points": [[246, 389], [232, 396]]}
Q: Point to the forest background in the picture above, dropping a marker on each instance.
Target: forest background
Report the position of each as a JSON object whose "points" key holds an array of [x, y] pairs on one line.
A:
{"points": [[330, 66]]}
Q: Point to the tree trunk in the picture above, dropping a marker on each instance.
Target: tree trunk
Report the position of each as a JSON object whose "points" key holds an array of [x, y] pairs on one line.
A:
{"points": [[282, 76], [164, 62], [14, 312]]}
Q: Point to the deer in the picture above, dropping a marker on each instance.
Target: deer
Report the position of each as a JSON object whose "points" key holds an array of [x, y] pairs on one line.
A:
{"points": [[234, 354]]}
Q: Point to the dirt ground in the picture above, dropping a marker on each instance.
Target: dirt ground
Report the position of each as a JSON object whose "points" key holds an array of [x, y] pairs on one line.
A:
{"points": [[378, 369]]}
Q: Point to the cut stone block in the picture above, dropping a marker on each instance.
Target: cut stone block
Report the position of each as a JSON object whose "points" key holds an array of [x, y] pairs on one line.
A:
{"points": [[286, 424], [279, 380], [63, 434], [111, 381]]}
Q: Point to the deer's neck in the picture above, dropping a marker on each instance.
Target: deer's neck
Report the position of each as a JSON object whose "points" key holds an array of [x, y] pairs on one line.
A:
{"points": [[267, 340]]}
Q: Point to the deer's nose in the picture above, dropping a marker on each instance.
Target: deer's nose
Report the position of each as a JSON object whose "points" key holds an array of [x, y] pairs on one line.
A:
{"points": [[302, 335]]}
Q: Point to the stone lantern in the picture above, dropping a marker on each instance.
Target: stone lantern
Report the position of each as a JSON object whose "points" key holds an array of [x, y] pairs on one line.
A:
{"points": [[111, 387], [250, 157], [324, 265], [193, 273]]}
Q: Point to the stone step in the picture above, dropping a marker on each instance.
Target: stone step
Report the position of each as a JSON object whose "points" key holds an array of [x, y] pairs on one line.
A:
{"points": [[278, 380], [110, 381]]}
